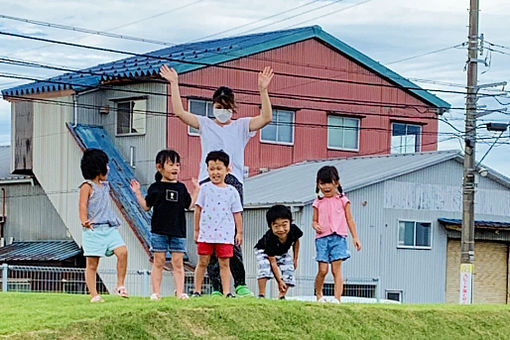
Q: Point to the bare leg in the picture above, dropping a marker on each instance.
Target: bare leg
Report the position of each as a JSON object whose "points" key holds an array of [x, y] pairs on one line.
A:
{"points": [[90, 274], [262, 285], [225, 274], [122, 254], [178, 265], [336, 269], [319, 279], [157, 271], [203, 261]]}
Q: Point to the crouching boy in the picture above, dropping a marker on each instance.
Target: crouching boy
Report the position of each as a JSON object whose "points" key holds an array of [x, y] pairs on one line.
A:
{"points": [[272, 251]]}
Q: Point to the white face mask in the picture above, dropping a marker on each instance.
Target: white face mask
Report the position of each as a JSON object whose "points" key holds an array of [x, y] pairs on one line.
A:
{"points": [[222, 115]]}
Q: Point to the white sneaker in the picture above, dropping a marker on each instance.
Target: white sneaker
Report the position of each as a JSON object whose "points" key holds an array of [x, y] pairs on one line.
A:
{"points": [[183, 296], [155, 297], [322, 299], [334, 300]]}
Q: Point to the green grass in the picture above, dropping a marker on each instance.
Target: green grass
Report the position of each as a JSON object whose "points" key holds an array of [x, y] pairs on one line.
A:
{"points": [[60, 316]]}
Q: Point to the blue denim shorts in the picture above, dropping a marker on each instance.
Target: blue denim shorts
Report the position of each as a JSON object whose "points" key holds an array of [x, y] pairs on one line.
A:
{"points": [[101, 241], [331, 248], [164, 243]]}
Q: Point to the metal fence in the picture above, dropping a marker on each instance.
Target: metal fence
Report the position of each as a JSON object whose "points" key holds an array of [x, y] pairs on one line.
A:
{"points": [[72, 280]]}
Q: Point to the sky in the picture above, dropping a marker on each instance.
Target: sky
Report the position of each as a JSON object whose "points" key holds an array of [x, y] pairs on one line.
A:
{"points": [[385, 30]]}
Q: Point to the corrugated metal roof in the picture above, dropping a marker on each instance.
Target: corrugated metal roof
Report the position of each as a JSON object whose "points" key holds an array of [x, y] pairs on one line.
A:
{"points": [[39, 251], [295, 184], [478, 224], [119, 177], [201, 54]]}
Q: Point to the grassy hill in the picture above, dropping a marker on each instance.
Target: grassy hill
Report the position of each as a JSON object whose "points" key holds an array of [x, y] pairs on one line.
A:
{"points": [[51, 316]]}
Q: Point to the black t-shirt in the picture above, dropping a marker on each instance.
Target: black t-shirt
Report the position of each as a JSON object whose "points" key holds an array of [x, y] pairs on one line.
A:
{"points": [[168, 201], [272, 245]]}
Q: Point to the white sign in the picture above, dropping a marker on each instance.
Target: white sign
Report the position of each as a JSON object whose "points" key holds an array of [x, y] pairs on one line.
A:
{"points": [[466, 283]]}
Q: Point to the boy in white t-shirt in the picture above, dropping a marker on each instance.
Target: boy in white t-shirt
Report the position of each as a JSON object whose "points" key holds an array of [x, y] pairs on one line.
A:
{"points": [[218, 221]]}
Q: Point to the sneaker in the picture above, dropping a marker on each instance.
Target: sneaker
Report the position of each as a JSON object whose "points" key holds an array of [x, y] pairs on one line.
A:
{"points": [[155, 297], [196, 294], [282, 297], [216, 293], [322, 299], [243, 291], [229, 295], [261, 296], [183, 296], [96, 299], [335, 300]]}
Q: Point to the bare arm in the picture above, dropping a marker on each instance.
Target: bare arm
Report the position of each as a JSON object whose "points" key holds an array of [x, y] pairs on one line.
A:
{"points": [[186, 117], [194, 193], [315, 221], [85, 191], [196, 215], [238, 220], [274, 267], [266, 114], [135, 186], [295, 253], [352, 226]]}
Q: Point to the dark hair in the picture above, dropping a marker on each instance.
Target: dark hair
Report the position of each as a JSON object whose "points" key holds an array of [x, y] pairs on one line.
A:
{"points": [[162, 157], [93, 163], [219, 155], [278, 211], [328, 174], [225, 96]]}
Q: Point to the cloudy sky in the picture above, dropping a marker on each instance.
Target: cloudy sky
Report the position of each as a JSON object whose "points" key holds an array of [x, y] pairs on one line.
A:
{"points": [[396, 33]]}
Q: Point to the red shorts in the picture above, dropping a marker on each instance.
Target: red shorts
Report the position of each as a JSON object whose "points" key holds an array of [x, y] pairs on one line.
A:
{"points": [[222, 249]]}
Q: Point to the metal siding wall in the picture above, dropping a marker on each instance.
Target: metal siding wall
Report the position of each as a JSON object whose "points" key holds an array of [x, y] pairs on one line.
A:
{"points": [[147, 145], [31, 216], [310, 58]]}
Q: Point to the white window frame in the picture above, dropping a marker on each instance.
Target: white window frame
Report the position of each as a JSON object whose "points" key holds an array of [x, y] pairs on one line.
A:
{"points": [[190, 129], [292, 126], [357, 134], [399, 291], [393, 149], [414, 246], [129, 100]]}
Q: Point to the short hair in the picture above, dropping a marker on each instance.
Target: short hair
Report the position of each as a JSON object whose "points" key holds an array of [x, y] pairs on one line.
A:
{"points": [[93, 163], [218, 155], [278, 211]]}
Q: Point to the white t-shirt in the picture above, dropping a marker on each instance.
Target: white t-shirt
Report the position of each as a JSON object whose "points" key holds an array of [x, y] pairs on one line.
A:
{"points": [[217, 217], [231, 138]]}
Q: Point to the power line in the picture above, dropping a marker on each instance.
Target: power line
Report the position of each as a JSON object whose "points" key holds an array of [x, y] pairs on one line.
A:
{"points": [[427, 53]]}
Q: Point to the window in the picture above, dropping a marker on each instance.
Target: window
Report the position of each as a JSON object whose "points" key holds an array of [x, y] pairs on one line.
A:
{"points": [[131, 115], [395, 295], [343, 133], [405, 138], [414, 234], [200, 108], [350, 289], [281, 129]]}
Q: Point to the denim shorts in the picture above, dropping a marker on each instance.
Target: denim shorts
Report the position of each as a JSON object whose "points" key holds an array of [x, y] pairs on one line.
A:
{"points": [[101, 241], [331, 248], [164, 243], [284, 262]]}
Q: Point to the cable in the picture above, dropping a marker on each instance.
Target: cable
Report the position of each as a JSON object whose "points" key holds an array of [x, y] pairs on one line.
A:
{"points": [[182, 60], [426, 53]]}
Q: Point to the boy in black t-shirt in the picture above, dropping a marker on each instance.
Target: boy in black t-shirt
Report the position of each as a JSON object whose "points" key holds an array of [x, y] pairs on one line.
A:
{"points": [[272, 251]]}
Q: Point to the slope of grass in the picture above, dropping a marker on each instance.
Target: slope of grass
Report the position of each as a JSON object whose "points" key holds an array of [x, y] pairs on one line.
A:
{"points": [[51, 316]]}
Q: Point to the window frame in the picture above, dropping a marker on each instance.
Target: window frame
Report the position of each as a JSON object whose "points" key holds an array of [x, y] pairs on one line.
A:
{"points": [[406, 124], [129, 100], [292, 126], [358, 129], [206, 101], [399, 291], [403, 246]]}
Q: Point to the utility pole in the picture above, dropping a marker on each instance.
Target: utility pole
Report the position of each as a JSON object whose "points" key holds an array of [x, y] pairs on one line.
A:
{"points": [[468, 189]]}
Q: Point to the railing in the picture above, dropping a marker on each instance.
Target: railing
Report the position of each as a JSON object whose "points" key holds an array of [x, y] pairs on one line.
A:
{"points": [[72, 280]]}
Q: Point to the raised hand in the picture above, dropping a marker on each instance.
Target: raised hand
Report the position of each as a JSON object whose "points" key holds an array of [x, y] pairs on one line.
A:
{"points": [[135, 186], [265, 78], [169, 74]]}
